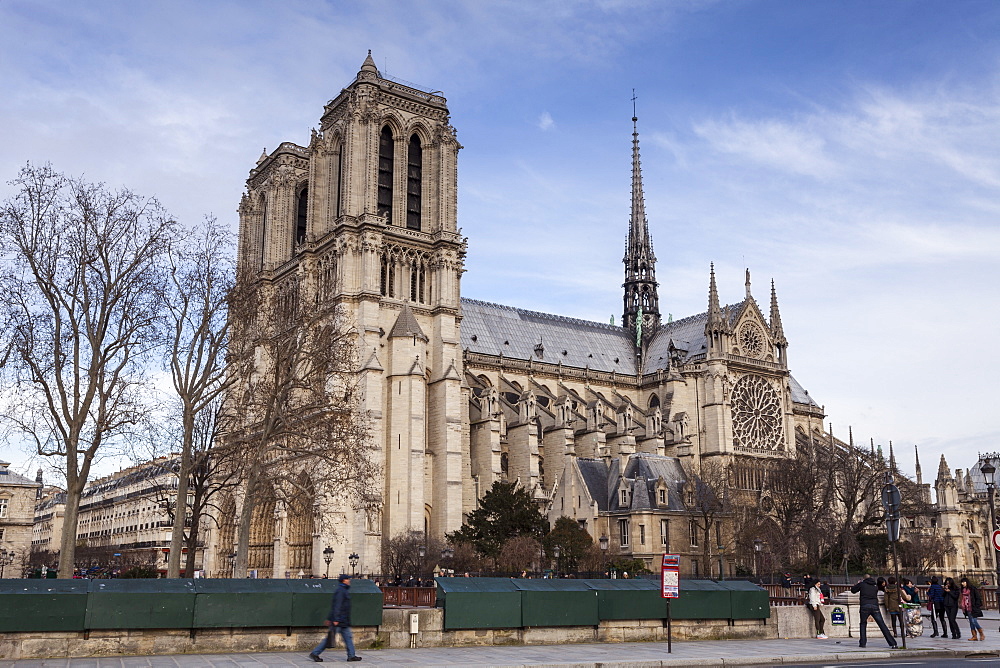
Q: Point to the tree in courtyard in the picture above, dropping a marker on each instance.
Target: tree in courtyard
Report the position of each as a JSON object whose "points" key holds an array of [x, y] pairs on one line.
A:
{"points": [[520, 553], [81, 293], [294, 412], [573, 541], [707, 499], [506, 511]]}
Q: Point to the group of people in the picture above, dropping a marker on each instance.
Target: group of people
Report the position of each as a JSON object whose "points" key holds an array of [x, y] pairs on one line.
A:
{"points": [[944, 602]]}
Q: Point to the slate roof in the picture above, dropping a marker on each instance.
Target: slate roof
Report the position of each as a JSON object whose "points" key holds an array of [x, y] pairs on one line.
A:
{"points": [[644, 470], [494, 329], [8, 477], [406, 325]]}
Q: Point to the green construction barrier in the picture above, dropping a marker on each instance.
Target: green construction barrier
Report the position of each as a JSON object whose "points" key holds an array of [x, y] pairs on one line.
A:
{"points": [[311, 600], [748, 600], [702, 599], [141, 604], [43, 605], [628, 599], [242, 603], [558, 603], [479, 603]]}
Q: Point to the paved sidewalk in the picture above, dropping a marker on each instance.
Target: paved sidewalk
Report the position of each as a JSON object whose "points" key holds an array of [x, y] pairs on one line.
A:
{"points": [[624, 655]]}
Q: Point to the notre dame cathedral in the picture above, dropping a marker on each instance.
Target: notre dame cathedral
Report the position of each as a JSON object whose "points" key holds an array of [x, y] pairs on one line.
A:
{"points": [[598, 422]]}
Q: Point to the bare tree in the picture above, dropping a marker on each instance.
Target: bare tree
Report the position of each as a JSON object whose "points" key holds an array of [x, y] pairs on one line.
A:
{"points": [[707, 498], [82, 294], [520, 554], [296, 404], [202, 276]]}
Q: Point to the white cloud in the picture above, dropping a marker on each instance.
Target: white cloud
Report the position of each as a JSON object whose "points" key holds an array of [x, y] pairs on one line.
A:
{"points": [[545, 121]]}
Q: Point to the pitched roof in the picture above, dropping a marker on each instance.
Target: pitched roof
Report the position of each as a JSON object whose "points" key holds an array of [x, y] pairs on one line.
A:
{"points": [[406, 325]]}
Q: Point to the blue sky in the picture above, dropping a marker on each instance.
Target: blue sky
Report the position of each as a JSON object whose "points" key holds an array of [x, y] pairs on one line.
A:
{"points": [[848, 150]]}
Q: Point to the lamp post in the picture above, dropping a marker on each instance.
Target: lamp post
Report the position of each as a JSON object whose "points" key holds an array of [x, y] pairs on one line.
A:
{"points": [[758, 545], [6, 559], [328, 557], [603, 542], [989, 471], [446, 555], [232, 564], [556, 551], [354, 559], [722, 565]]}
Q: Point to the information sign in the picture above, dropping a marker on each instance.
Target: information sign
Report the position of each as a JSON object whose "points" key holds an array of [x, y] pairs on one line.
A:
{"points": [[837, 617], [670, 576]]}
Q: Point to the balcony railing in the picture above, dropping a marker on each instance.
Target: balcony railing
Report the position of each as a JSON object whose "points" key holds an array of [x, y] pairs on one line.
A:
{"points": [[409, 597]]}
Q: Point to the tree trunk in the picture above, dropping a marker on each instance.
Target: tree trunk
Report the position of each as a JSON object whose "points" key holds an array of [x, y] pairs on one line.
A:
{"points": [[180, 505], [243, 528], [67, 543]]}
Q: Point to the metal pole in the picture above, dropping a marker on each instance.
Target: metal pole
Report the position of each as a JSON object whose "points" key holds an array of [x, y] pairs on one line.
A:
{"points": [[996, 563], [899, 589], [670, 634]]}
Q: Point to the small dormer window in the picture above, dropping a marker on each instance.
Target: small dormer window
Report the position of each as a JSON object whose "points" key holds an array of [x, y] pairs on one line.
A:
{"points": [[663, 497], [624, 497]]}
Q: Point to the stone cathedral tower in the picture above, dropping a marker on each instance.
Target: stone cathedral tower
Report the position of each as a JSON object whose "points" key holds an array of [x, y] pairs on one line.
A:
{"points": [[365, 216]]}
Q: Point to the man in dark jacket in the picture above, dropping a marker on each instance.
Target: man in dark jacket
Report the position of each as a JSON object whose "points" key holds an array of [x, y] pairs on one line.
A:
{"points": [[935, 594], [339, 619], [868, 600]]}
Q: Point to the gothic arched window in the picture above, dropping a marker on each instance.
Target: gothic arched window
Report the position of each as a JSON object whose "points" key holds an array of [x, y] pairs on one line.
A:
{"points": [[414, 166], [302, 205], [385, 166]]}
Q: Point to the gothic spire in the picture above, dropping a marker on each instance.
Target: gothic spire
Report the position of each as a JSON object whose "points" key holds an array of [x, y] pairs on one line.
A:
{"points": [[892, 458], [776, 329], [916, 458], [640, 263], [369, 64], [943, 471]]}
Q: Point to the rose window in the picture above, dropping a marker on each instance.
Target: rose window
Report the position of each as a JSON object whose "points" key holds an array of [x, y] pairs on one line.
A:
{"points": [[751, 340], [757, 421]]}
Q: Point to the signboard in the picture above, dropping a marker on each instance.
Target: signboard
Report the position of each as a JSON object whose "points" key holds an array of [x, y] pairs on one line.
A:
{"points": [[837, 617], [670, 576], [996, 539]]}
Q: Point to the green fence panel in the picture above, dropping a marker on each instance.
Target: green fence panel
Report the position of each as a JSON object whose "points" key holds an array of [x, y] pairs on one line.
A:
{"points": [[557, 603], [311, 601], [141, 604], [479, 603], [748, 601], [702, 599], [43, 605], [628, 599], [241, 603]]}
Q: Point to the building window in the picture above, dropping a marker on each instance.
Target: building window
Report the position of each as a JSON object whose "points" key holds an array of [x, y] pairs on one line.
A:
{"points": [[302, 205], [624, 497], [693, 531], [3, 507], [663, 497], [642, 534], [385, 166], [623, 533], [665, 534], [414, 166]]}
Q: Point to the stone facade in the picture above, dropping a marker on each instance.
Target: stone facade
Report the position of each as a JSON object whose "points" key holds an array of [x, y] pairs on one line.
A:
{"points": [[463, 393], [17, 505]]}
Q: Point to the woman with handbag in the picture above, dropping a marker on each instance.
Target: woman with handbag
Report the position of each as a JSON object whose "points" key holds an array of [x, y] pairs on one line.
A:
{"points": [[971, 603]]}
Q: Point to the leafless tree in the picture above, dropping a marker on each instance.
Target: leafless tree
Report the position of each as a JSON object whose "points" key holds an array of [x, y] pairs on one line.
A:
{"points": [[519, 554], [81, 296], [401, 555], [296, 404], [707, 497], [202, 276], [923, 551]]}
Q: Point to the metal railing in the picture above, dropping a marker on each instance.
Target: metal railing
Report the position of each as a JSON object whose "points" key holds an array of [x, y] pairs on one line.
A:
{"points": [[409, 597]]}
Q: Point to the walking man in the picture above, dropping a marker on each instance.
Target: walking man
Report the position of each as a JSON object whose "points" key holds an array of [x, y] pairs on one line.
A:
{"points": [[868, 599], [339, 619]]}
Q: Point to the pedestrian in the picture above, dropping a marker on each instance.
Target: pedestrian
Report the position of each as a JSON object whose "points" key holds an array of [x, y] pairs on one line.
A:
{"points": [[339, 619], [951, 607], [868, 599], [935, 603], [971, 604], [807, 582], [893, 597], [824, 587], [814, 600], [786, 581]]}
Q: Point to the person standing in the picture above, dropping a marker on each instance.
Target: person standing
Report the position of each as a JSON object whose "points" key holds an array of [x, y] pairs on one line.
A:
{"points": [[971, 603], [814, 600], [339, 619], [935, 598], [868, 599], [951, 607], [893, 596]]}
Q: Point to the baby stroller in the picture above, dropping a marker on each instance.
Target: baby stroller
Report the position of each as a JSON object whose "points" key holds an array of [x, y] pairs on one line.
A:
{"points": [[913, 619]]}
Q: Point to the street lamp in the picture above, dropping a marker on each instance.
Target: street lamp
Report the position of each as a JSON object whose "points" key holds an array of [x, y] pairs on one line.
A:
{"points": [[328, 557], [6, 559], [758, 545], [555, 553], [354, 558], [446, 555], [989, 473], [232, 564], [722, 574], [603, 542]]}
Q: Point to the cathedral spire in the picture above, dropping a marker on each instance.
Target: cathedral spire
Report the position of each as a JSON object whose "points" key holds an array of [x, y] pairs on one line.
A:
{"points": [[943, 471], [717, 325], [916, 458], [369, 64], [892, 458], [640, 263], [777, 331]]}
